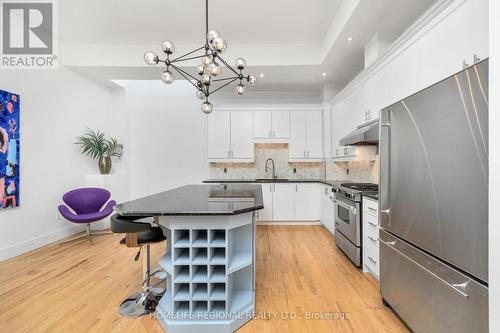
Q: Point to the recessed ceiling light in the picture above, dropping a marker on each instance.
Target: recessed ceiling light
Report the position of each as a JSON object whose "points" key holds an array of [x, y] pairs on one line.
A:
{"points": [[349, 39], [324, 74], [261, 75]]}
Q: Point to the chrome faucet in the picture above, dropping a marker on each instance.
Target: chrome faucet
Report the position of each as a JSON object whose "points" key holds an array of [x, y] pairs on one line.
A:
{"points": [[273, 169]]}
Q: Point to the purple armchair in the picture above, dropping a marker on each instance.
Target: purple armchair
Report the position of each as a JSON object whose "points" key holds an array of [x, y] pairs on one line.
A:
{"points": [[86, 206]]}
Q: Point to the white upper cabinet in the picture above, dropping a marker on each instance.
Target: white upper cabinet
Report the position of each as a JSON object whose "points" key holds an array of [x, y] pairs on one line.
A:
{"points": [[314, 134], [297, 146], [283, 202], [262, 124], [219, 135], [271, 124], [242, 146], [306, 136], [280, 124], [307, 202], [229, 136]]}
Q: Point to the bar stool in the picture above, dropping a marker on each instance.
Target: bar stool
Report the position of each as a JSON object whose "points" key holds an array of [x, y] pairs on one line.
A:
{"points": [[139, 232]]}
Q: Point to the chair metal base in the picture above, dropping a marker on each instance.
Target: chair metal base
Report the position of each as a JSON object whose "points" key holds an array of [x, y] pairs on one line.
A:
{"points": [[139, 304], [87, 234]]}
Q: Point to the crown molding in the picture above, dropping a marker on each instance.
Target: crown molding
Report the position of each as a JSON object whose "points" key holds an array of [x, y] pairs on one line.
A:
{"points": [[435, 14]]}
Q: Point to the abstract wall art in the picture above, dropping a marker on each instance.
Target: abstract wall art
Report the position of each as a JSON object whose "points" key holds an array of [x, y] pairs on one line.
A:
{"points": [[9, 149]]}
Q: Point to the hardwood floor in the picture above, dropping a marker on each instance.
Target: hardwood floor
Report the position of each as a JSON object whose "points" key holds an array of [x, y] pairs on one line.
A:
{"points": [[78, 287]]}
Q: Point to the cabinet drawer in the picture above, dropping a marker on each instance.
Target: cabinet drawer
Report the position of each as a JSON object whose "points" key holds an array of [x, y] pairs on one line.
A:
{"points": [[371, 255], [370, 235], [370, 222], [370, 207]]}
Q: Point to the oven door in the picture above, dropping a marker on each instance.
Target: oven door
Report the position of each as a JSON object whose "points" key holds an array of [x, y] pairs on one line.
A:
{"points": [[347, 219]]}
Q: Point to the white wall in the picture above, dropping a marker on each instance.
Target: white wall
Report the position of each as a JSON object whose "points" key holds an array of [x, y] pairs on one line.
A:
{"points": [[494, 150], [56, 106], [168, 136]]}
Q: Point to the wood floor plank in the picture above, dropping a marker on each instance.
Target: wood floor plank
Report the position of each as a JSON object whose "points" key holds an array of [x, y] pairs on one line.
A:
{"points": [[78, 287]]}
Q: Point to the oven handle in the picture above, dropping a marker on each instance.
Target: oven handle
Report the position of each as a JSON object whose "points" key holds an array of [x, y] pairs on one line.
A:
{"points": [[346, 206], [423, 268]]}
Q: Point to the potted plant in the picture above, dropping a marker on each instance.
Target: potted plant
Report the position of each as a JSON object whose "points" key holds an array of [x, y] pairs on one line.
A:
{"points": [[95, 145]]}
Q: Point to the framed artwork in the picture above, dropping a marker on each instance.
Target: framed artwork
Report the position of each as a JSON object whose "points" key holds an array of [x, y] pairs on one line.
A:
{"points": [[9, 149]]}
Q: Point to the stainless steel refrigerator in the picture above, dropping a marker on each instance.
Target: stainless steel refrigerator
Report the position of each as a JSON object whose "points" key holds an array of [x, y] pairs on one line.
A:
{"points": [[434, 205]]}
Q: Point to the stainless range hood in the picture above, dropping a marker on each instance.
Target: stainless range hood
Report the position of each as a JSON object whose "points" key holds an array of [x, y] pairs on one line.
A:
{"points": [[366, 134]]}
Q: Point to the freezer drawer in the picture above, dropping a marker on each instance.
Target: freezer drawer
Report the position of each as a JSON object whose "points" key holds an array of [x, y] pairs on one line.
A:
{"points": [[427, 294]]}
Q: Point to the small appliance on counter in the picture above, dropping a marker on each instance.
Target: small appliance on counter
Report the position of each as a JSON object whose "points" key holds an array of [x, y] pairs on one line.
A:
{"points": [[347, 217]]}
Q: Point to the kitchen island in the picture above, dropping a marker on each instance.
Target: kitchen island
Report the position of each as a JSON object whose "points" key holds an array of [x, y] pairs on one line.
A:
{"points": [[210, 255]]}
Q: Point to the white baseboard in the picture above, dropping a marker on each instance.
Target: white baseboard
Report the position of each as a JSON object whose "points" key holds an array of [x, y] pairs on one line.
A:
{"points": [[288, 223], [42, 240]]}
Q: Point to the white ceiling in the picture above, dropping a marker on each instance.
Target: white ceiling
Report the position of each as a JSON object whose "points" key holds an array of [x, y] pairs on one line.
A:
{"points": [[183, 21], [291, 42]]}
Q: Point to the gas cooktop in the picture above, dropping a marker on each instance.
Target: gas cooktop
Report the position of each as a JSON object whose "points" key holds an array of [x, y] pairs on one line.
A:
{"points": [[361, 186]]}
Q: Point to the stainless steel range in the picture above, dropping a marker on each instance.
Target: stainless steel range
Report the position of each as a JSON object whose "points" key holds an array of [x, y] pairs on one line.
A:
{"points": [[347, 205]]}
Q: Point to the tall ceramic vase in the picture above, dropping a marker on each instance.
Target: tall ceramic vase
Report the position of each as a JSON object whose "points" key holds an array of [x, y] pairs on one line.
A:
{"points": [[105, 165]]}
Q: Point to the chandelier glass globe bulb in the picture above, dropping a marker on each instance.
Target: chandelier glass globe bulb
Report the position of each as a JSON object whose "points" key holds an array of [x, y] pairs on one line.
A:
{"points": [[200, 69], [212, 34], [251, 80], [167, 77], [240, 63], [206, 60], [240, 89], [200, 94], [220, 45], [214, 69], [206, 79], [168, 47], [207, 107], [151, 58]]}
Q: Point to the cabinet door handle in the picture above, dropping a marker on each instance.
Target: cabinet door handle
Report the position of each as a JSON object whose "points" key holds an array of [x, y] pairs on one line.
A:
{"points": [[372, 209], [296, 187], [372, 224], [372, 239], [372, 260]]}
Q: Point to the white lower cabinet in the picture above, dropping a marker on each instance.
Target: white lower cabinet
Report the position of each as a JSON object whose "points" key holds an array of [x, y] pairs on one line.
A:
{"points": [[327, 208], [371, 260], [307, 202], [266, 214], [283, 202], [291, 202]]}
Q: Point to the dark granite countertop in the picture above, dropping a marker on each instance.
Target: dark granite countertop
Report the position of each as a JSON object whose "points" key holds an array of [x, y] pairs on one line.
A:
{"points": [[277, 180], [371, 196], [197, 200]]}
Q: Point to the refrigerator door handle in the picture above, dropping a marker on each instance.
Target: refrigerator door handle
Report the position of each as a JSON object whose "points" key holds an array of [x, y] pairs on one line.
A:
{"points": [[385, 126], [451, 286]]}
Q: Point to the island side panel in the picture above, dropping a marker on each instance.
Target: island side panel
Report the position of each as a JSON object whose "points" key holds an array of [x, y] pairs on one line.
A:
{"points": [[211, 286]]}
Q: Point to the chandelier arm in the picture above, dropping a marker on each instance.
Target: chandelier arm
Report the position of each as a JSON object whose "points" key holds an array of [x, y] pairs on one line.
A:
{"points": [[227, 78], [185, 55], [190, 58], [224, 85], [184, 72], [184, 76], [227, 65]]}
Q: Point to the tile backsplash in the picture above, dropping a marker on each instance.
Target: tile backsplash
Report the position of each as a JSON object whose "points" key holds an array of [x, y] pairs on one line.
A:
{"points": [[358, 171], [284, 169]]}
